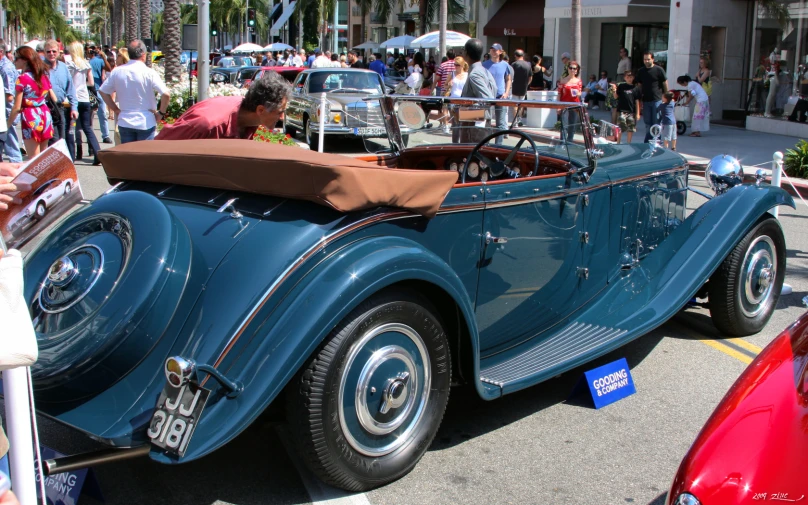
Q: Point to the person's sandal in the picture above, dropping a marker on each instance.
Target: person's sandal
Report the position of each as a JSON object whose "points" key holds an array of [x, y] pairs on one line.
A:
{"points": [[695, 135]]}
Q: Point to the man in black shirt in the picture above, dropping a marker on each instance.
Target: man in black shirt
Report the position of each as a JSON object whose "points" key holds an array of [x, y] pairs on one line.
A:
{"points": [[654, 84], [628, 105], [522, 74], [353, 59]]}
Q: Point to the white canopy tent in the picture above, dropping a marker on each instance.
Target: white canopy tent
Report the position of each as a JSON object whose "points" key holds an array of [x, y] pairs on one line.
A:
{"points": [[367, 45], [400, 41], [278, 46], [248, 48], [431, 40]]}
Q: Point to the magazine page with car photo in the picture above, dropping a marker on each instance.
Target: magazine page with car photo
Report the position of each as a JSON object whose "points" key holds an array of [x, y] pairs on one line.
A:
{"points": [[47, 187]]}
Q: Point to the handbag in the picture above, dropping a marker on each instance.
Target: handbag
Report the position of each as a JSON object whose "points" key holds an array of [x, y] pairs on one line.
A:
{"points": [[93, 98], [55, 112], [18, 346]]}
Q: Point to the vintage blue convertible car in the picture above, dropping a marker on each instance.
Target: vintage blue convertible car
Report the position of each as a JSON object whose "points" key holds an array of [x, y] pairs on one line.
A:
{"points": [[203, 287]]}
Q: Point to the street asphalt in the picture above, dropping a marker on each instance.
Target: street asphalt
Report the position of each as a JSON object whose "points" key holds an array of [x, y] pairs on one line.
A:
{"points": [[537, 446]]}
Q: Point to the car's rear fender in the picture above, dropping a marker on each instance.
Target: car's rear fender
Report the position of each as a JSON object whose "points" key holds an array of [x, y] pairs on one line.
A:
{"points": [[281, 338]]}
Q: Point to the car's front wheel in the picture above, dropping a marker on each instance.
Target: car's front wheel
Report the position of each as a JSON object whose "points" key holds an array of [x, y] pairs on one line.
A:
{"points": [[312, 139], [68, 189], [746, 287], [368, 403], [289, 129]]}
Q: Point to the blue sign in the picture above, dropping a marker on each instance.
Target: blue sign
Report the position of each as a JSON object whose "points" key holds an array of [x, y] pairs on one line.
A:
{"points": [[62, 488], [610, 383]]}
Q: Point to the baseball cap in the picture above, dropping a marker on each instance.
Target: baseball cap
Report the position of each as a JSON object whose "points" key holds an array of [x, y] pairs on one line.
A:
{"points": [[566, 55], [496, 46]]}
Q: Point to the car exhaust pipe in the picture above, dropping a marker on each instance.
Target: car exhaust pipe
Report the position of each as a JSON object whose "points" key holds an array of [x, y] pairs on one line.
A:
{"points": [[80, 461]]}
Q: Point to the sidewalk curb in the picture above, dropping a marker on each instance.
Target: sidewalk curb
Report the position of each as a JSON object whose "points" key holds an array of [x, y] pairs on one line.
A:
{"points": [[697, 169]]}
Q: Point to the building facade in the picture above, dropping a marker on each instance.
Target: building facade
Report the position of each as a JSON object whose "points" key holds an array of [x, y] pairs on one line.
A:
{"points": [[739, 39], [76, 14]]}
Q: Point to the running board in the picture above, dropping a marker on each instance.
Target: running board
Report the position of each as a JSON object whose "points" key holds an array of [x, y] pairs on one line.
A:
{"points": [[549, 356]]}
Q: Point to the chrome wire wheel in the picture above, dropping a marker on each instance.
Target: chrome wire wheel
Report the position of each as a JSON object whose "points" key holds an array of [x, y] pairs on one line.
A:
{"points": [[758, 272], [381, 394]]}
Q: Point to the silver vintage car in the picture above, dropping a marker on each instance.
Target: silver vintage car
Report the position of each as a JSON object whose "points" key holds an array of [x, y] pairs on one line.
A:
{"points": [[348, 114]]}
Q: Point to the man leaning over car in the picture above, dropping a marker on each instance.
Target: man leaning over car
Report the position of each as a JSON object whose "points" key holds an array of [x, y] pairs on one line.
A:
{"points": [[233, 117]]}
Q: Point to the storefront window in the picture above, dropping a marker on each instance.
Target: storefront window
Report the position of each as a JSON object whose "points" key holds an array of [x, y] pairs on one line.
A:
{"points": [[779, 58], [637, 39]]}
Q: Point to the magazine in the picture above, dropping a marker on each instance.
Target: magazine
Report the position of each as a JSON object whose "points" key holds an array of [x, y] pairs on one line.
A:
{"points": [[47, 187]]}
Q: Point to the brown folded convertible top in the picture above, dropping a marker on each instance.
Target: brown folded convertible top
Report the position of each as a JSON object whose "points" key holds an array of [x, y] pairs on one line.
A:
{"points": [[341, 182]]}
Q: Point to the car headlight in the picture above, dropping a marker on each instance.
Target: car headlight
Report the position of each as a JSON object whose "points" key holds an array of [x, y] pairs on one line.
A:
{"points": [[686, 499], [218, 77]]}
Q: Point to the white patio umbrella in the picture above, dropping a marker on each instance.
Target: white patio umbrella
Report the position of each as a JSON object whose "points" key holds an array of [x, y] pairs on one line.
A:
{"points": [[431, 40], [367, 45], [32, 43], [248, 48], [277, 46], [400, 41]]}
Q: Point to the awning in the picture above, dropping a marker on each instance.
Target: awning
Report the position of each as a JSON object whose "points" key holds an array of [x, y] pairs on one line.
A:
{"points": [[600, 8], [517, 18], [285, 15], [275, 10]]}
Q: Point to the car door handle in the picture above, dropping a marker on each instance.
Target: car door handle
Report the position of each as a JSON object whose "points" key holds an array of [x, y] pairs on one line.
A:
{"points": [[496, 240]]}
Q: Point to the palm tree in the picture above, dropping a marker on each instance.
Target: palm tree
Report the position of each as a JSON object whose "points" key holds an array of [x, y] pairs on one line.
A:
{"points": [[777, 10], [145, 20], [117, 21], [100, 16], [575, 32], [131, 20], [171, 40]]}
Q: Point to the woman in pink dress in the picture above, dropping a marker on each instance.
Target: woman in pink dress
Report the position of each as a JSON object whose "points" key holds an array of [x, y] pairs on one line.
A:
{"points": [[32, 90]]}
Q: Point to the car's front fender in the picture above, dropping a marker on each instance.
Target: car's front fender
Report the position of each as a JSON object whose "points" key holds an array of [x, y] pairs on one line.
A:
{"points": [[279, 341]]}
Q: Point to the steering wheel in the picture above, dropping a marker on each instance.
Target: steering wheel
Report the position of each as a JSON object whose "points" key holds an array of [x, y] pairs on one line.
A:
{"points": [[496, 168]]}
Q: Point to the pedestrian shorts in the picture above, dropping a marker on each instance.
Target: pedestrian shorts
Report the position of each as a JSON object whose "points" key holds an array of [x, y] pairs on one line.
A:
{"points": [[627, 123], [668, 132]]}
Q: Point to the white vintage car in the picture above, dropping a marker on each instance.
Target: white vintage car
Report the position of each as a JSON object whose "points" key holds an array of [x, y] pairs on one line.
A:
{"points": [[43, 198]]}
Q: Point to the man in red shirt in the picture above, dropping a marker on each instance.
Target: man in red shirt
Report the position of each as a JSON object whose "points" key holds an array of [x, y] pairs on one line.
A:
{"points": [[233, 117]]}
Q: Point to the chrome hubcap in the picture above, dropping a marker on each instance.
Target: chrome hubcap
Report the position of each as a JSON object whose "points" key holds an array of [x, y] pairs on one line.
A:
{"points": [[384, 389], [62, 271], [759, 271]]}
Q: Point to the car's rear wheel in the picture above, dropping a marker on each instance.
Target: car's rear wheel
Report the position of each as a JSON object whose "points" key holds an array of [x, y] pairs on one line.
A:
{"points": [[366, 406], [41, 210], [681, 127], [746, 287]]}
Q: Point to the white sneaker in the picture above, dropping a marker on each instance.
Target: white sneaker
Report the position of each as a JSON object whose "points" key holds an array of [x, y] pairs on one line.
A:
{"points": [[447, 129], [595, 107]]}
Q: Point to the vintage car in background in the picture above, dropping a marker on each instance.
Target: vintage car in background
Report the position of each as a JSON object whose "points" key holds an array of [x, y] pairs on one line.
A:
{"points": [[47, 195], [227, 69], [288, 73], [353, 292], [754, 446], [392, 78], [348, 114]]}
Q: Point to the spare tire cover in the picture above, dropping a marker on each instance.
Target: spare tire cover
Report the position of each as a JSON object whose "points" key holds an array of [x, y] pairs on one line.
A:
{"points": [[102, 289]]}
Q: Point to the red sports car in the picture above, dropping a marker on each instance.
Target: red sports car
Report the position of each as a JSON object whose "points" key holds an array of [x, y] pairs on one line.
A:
{"points": [[288, 73], [754, 448]]}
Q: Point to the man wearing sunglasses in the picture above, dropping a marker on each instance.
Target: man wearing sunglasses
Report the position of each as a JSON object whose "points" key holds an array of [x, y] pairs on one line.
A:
{"points": [[67, 105]]}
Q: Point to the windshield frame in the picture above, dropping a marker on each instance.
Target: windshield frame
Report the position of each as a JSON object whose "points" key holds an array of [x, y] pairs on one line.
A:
{"points": [[388, 103]]}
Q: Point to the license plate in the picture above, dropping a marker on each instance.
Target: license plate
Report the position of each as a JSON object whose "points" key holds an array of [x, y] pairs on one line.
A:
{"points": [[176, 416], [367, 132]]}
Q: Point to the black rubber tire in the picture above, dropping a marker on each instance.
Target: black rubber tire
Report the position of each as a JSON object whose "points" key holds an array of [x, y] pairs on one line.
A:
{"points": [[681, 127], [289, 130], [313, 395], [725, 285], [39, 214], [312, 139]]}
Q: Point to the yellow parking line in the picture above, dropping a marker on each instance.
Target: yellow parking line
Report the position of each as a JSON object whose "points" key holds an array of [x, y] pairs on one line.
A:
{"points": [[746, 345], [727, 350]]}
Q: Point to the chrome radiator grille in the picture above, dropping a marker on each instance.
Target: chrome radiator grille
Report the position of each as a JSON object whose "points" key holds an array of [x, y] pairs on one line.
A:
{"points": [[361, 116]]}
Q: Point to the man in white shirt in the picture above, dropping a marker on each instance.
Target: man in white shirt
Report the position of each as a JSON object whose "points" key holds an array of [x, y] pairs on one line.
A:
{"points": [[135, 86], [320, 60], [293, 60]]}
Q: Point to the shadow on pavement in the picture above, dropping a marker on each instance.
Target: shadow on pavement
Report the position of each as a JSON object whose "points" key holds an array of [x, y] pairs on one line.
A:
{"points": [[468, 416]]}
